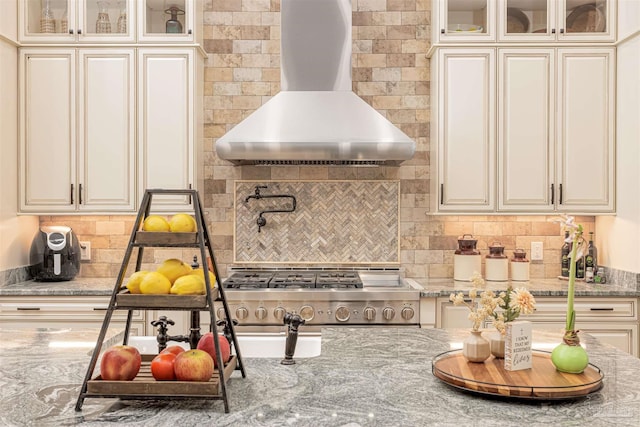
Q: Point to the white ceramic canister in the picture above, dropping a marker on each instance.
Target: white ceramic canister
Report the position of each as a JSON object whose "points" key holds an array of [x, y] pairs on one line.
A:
{"points": [[496, 264], [519, 266], [466, 260]]}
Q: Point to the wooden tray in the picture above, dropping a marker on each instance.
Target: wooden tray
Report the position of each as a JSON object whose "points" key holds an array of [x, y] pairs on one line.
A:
{"points": [[145, 386], [125, 300], [159, 238], [541, 382]]}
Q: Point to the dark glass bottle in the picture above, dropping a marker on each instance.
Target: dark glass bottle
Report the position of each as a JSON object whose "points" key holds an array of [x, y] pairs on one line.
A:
{"points": [[580, 264], [592, 254], [564, 258]]}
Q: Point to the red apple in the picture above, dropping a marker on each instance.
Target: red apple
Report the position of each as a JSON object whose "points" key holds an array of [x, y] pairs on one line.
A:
{"points": [[175, 349], [162, 367], [206, 343], [120, 363], [193, 365]]}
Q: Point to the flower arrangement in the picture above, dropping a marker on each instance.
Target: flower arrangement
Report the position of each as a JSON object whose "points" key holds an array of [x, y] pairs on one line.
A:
{"points": [[570, 356], [513, 303], [481, 306]]}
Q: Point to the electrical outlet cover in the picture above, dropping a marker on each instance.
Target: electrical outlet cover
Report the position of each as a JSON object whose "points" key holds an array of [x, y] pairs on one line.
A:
{"points": [[536, 251]]}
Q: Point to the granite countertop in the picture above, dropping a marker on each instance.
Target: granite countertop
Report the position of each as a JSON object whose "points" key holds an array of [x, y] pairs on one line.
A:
{"points": [[431, 288], [363, 377]]}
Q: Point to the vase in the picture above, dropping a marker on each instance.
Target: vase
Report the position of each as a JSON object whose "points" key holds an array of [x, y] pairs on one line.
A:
{"points": [[496, 343], [475, 348], [571, 359]]}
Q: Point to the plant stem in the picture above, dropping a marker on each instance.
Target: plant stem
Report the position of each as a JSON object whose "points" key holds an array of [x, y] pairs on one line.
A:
{"points": [[570, 326]]}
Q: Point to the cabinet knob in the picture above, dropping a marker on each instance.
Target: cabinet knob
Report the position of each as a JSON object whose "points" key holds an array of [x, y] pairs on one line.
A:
{"points": [[70, 31], [561, 30], [442, 31], [79, 31], [189, 32], [553, 31]]}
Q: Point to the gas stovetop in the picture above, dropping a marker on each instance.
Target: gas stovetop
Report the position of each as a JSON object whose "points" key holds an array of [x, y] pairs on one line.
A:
{"points": [[260, 297], [291, 279]]}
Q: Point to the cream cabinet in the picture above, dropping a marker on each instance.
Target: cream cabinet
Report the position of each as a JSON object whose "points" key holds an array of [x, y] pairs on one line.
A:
{"points": [[63, 312], [82, 21], [556, 108], [169, 122], [539, 21], [612, 320], [109, 21], [463, 134], [536, 136], [556, 20], [77, 120]]}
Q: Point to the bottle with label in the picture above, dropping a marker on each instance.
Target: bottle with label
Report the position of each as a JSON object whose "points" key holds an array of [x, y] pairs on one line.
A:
{"points": [[591, 259], [565, 251]]}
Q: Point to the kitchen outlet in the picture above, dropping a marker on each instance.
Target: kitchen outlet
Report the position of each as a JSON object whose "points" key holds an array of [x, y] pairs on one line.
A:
{"points": [[85, 251], [536, 251]]}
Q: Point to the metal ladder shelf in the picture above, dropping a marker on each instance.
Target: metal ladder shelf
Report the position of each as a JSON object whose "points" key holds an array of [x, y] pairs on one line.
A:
{"points": [[195, 303]]}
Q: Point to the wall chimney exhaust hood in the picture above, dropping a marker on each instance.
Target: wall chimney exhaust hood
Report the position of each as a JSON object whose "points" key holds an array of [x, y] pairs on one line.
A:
{"points": [[316, 118]]}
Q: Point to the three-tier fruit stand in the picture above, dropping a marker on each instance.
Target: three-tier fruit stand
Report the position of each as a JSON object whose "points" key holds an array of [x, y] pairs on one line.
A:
{"points": [[144, 386]]}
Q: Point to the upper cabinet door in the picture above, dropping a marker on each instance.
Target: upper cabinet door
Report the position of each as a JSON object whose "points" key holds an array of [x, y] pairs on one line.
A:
{"points": [[71, 21], [165, 124], [556, 20], [163, 21], [106, 101], [465, 21], [47, 120], [525, 129], [586, 121], [587, 20], [466, 129]]}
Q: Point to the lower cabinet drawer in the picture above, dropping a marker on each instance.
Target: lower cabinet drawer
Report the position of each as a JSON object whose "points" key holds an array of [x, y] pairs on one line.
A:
{"points": [[52, 312], [598, 309]]}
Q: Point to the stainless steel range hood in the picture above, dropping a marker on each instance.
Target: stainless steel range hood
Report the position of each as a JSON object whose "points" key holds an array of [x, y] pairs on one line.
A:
{"points": [[316, 118]]}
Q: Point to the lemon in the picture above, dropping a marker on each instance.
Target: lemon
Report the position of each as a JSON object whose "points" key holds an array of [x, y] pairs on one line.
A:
{"points": [[134, 281], [182, 223], [155, 223], [200, 273], [191, 284], [173, 268], [155, 283]]}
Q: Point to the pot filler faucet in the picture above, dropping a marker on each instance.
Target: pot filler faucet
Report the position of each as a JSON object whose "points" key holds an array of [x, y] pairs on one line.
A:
{"points": [[262, 221]]}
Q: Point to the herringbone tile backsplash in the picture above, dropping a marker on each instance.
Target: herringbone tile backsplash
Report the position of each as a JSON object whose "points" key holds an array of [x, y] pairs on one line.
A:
{"points": [[334, 222]]}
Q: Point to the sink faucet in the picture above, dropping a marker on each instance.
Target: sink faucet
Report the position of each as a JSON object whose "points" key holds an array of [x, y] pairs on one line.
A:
{"points": [[293, 321], [163, 337]]}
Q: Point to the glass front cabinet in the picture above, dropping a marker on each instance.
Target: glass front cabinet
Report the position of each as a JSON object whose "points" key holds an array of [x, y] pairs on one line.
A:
{"points": [[463, 21], [106, 21]]}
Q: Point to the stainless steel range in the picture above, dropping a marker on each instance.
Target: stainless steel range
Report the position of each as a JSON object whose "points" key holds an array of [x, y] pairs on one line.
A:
{"points": [[259, 298]]}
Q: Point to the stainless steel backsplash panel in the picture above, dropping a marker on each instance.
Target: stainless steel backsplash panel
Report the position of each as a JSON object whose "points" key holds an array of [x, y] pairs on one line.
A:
{"points": [[334, 222]]}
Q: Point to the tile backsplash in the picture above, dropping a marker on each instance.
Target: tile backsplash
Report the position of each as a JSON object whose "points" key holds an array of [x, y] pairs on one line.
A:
{"points": [[335, 222]]}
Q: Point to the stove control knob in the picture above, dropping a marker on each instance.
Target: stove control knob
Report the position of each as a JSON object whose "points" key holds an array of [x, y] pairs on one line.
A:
{"points": [[261, 313], [306, 312], [342, 314], [369, 313], [279, 312], [221, 314], [242, 313], [407, 313], [388, 313]]}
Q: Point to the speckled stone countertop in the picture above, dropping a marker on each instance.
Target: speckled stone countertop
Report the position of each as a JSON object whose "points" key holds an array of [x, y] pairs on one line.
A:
{"points": [[537, 287], [364, 377], [431, 288]]}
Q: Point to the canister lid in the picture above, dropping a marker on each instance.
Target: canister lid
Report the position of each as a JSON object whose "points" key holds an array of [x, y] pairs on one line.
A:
{"points": [[496, 250], [519, 255], [467, 245]]}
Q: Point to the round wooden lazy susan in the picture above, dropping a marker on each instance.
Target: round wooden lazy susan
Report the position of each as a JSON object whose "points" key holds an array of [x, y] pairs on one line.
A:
{"points": [[541, 382]]}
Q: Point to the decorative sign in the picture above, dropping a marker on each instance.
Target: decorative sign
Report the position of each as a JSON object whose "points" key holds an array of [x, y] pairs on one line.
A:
{"points": [[517, 346]]}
